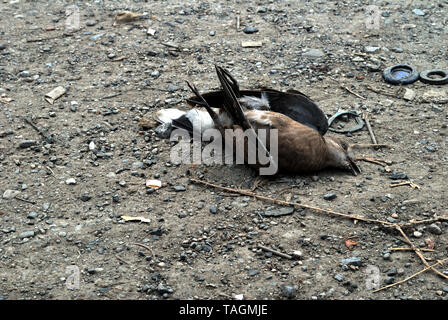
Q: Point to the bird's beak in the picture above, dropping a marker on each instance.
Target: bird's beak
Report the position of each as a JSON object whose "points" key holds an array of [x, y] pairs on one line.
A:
{"points": [[354, 167]]}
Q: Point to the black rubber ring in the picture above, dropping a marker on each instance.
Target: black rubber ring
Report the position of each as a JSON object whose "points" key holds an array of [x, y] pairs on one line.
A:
{"points": [[412, 77], [358, 119], [424, 76]]}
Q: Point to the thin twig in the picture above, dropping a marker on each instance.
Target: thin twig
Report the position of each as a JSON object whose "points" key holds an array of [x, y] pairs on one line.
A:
{"points": [[43, 134], [121, 259], [410, 249], [369, 145], [143, 246], [351, 91], [418, 251], [375, 161], [25, 200], [406, 183], [381, 91], [435, 219], [365, 116], [331, 212], [286, 203], [412, 276], [280, 254], [49, 38]]}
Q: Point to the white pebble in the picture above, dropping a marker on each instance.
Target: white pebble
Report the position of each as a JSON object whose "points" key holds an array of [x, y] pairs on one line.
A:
{"points": [[70, 181]]}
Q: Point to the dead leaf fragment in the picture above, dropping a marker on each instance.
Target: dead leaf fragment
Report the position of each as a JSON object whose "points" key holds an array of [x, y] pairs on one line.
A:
{"points": [[251, 44], [118, 59], [429, 243], [5, 99], [139, 219], [55, 94], [126, 16], [156, 184], [349, 243], [151, 31]]}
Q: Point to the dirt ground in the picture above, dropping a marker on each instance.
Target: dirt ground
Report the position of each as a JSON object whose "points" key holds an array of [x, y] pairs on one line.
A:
{"points": [[63, 193]]}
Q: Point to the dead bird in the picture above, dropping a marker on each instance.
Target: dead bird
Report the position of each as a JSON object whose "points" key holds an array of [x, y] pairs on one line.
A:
{"points": [[301, 124]]}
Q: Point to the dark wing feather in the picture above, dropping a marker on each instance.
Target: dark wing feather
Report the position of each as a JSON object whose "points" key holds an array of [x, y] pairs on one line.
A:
{"points": [[298, 107]]}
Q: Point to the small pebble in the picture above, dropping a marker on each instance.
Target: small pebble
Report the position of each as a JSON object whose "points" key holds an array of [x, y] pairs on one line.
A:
{"points": [[330, 196], [213, 209], [250, 30], [27, 143], [418, 12], [338, 277], [70, 181], [288, 292], [434, 229]]}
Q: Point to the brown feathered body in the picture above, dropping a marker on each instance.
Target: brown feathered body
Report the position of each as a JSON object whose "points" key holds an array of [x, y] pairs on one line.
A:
{"points": [[300, 148]]}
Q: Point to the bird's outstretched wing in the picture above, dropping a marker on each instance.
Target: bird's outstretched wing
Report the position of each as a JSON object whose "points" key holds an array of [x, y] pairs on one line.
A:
{"points": [[292, 103]]}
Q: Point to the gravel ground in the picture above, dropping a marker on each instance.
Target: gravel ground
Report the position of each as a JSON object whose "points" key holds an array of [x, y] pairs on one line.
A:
{"points": [[63, 190]]}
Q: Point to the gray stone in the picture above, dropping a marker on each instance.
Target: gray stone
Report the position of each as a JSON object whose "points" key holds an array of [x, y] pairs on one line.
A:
{"points": [[353, 261], [288, 292], [27, 143], [250, 30], [338, 277], [313, 53], [278, 212], [397, 50], [85, 197], [253, 272], [10, 194], [409, 94], [32, 215], [330, 196], [26, 234], [369, 49], [434, 229], [213, 209], [373, 67], [179, 188], [418, 12]]}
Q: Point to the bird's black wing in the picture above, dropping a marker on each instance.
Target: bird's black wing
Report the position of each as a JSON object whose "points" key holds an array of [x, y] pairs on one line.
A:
{"points": [[298, 107], [293, 104]]}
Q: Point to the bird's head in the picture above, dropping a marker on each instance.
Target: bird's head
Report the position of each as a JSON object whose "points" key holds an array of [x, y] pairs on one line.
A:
{"points": [[340, 155]]}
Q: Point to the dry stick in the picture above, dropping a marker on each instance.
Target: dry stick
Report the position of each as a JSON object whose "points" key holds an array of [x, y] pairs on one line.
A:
{"points": [[286, 203], [435, 219], [384, 223], [369, 145], [121, 259], [24, 200], [412, 276], [375, 161], [410, 249], [384, 92], [418, 251], [143, 246], [369, 128], [31, 123], [49, 38], [406, 183], [283, 255], [344, 87]]}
